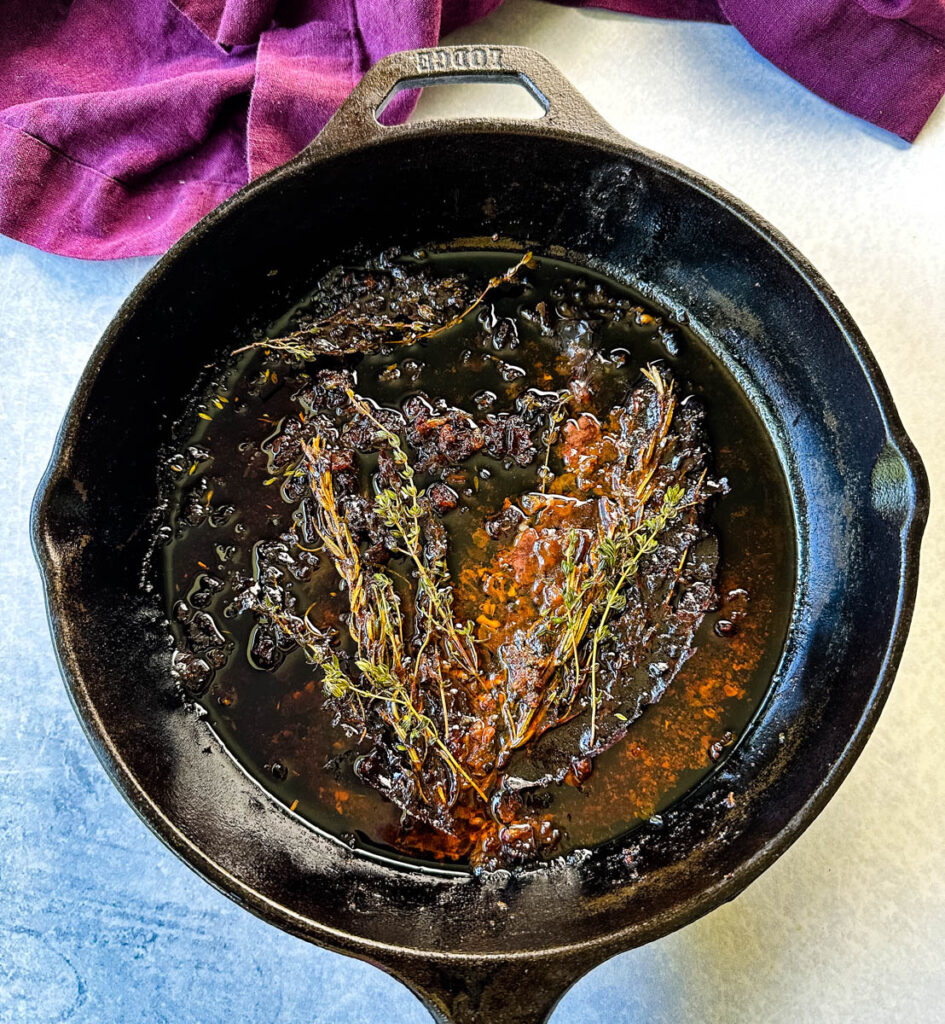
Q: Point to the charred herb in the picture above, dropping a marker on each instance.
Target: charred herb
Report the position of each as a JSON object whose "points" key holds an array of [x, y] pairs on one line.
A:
{"points": [[368, 332]]}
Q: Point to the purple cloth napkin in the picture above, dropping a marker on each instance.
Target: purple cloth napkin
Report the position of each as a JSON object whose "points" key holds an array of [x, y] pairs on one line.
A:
{"points": [[122, 124]]}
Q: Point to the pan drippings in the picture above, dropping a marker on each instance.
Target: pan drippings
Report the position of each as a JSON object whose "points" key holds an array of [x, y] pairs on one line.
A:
{"points": [[477, 557]]}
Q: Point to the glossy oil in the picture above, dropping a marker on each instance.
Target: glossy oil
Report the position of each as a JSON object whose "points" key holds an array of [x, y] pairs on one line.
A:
{"points": [[273, 721]]}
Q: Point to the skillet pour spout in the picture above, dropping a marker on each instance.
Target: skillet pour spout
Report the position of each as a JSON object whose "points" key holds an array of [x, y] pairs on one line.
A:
{"points": [[499, 947]]}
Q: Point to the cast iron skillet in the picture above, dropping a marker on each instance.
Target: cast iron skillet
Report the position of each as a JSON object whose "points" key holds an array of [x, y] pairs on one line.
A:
{"points": [[499, 948]]}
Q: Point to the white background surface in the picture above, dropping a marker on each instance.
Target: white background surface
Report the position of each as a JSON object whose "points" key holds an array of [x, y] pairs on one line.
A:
{"points": [[100, 924]]}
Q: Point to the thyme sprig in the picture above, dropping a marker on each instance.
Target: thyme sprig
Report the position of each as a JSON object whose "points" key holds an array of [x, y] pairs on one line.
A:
{"points": [[597, 568], [620, 558], [376, 625], [317, 339], [401, 512], [594, 588], [411, 726]]}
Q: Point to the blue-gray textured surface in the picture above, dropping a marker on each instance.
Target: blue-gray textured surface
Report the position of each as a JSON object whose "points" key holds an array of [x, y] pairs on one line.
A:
{"points": [[100, 924]]}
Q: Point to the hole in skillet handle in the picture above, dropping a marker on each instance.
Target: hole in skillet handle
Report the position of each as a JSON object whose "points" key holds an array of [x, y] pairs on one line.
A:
{"points": [[525, 101]]}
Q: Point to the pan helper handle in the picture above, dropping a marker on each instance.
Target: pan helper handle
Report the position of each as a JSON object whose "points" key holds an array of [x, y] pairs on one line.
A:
{"points": [[356, 121]]}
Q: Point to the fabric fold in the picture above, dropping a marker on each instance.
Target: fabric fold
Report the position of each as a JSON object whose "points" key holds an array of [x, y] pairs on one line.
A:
{"points": [[884, 69], [122, 125], [229, 22]]}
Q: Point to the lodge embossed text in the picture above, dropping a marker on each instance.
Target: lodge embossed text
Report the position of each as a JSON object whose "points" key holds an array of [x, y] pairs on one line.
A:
{"points": [[471, 58]]}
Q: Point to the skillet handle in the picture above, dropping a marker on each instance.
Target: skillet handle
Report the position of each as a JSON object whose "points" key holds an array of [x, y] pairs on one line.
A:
{"points": [[521, 990], [355, 123]]}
